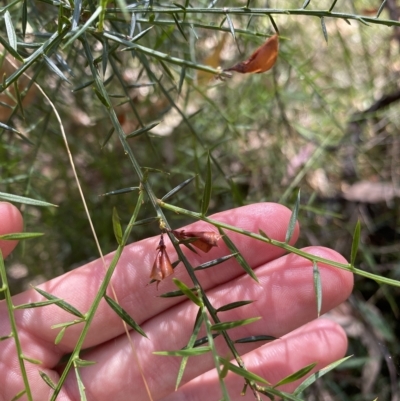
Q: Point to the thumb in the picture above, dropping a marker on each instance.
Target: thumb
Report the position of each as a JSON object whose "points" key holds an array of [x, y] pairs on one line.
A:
{"points": [[10, 222]]}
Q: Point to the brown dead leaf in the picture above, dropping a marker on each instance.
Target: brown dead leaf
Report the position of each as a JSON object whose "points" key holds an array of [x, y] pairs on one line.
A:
{"points": [[263, 59]]}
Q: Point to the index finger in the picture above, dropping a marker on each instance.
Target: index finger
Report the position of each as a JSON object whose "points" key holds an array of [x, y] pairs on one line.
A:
{"points": [[10, 222]]}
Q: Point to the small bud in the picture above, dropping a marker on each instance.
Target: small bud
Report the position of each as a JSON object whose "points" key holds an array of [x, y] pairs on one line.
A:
{"points": [[162, 266], [203, 240]]}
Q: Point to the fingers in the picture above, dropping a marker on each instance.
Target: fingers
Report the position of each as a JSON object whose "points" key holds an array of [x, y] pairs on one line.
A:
{"points": [[320, 341], [131, 277], [10, 222], [285, 300]]}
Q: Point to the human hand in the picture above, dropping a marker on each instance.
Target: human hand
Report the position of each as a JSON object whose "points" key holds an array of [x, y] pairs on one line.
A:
{"points": [[285, 300]]}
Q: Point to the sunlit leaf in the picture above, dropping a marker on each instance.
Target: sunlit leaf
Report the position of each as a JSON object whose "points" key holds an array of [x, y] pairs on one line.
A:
{"points": [[18, 395], [231, 325], [82, 362], [12, 37], [24, 200], [240, 259], [187, 291], [123, 314], [36, 304], [61, 303], [242, 372], [20, 236], [184, 352], [60, 335], [297, 375], [81, 386], [47, 380], [315, 376], [32, 360]]}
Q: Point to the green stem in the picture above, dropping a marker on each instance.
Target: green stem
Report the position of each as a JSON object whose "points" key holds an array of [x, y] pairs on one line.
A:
{"points": [[283, 245], [10, 307], [102, 290], [261, 12]]}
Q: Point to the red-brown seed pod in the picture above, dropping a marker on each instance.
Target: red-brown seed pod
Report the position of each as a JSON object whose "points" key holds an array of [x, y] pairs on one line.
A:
{"points": [[203, 240], [162, 266]]}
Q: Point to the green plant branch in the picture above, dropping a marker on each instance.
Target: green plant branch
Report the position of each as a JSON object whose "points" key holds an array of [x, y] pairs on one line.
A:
{"points": [[155, 202], [46, 47], [102, 290], [211, 344], [194, 24], [260, 12], [164, 57], [283, 245], [10, 307]]}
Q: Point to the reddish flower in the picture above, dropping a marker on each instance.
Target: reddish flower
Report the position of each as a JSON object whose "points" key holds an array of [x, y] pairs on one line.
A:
{"points": [[203, 240], [162, 266]]}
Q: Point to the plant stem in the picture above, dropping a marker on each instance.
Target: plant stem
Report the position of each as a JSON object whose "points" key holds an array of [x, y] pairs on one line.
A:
{"points": [[10, 307], [283, 245], [261, 12], [91, 313]]}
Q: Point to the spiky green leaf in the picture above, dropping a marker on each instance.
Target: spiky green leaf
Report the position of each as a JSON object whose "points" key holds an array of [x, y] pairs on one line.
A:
{"points": [[315, 376], [177, 189], [356, 242], [117, 226], [253, 339], [187, 291], [293, 219], [184, 352], [20, 236], [123, 314], [24, 200], [242, 372], [231, 325], [239, 257], [233, 305], [60, 303]]}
